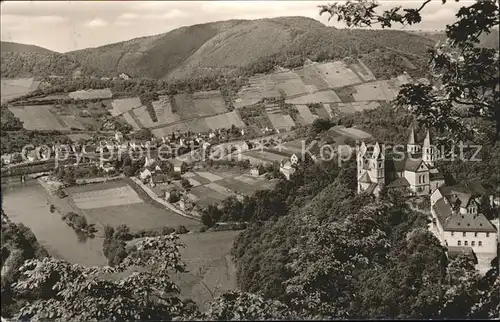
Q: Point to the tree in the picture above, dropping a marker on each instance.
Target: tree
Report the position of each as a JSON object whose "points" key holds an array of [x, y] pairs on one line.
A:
{"points": [[465, 75], [236, 305], [319, 125], [72, 292]]}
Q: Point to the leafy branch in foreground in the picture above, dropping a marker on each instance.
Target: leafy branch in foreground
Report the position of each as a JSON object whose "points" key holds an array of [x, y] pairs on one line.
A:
{"points": [[465, 76], [69, 291]]}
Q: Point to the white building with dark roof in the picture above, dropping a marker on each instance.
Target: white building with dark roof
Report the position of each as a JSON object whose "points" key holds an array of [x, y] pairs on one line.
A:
{"points": [[458, 223], [412, 170]]}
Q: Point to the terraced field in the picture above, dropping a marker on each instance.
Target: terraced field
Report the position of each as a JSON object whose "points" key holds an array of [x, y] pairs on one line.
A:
{"points": [[38, 117], [92, 94], [14, 88]]}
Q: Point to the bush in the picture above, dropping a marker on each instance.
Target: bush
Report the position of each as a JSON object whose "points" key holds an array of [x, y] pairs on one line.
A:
{"points": [[181, 230]]}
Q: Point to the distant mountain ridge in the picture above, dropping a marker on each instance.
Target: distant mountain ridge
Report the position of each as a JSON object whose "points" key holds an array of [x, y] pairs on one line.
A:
{"points": [[233, 48], [14, 47]]}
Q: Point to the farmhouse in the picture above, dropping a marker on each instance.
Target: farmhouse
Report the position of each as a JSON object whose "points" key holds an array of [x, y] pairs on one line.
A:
{"points": [[118, 136], [146, 173], [287, 168], [124, 76], [412, 171], [178, 165], [458, 222], [256, 171]]}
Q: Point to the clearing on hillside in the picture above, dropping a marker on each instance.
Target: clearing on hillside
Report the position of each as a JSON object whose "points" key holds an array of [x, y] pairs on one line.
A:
{"points": [[91, 94], [123, 105], [207, 196], [225, 120], [351, 108], [350, 132], [209, 101], [306, 114], [14, 88], [290, 83], [375, 91], [280, 121], [363, 71], [72, 122], [337, 74], [38, 117], [143, 116], [311, 77], [163, 111], [130, 120], [326, 96]]}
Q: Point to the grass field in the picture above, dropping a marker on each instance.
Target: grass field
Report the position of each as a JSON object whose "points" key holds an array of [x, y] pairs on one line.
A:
{"points": [[208, 176], [281, 121], [337, 74], [163, 110], [224, 120], [130, 120], [143, 115], [290, 83], [264, 155], [362, 70], [123, 105], [13, 88], [106, 204], [312, 77], [38, 117], [210, 101], [91, 94], [306, 114], [72, 122], [327, 96], [375, 91], [207, 196]]}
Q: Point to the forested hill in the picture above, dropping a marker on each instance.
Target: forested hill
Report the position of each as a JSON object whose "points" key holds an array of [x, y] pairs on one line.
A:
{"points": [[14, 47], [251, 45], [233, 48]]}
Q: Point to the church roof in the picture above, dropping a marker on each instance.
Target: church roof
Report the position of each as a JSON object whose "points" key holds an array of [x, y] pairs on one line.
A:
{"points": [[464, 192], [452, 221], [427, 140], [370, 188], [412, 139], [398, 183], [365, 178], [400, 162]]}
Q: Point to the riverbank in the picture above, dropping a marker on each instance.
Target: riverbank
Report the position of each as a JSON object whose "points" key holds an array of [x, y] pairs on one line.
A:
{"points": [[28, 203], [137, 185]]}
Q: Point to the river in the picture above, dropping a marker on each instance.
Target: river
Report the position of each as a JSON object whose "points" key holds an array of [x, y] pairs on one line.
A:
{"points": [[27, 203]]}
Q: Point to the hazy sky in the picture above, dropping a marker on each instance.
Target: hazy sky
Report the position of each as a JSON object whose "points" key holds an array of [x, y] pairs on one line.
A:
{"points": [[68, 25]]}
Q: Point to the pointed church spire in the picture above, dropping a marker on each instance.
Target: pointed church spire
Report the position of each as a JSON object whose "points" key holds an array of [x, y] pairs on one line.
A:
{"points": [[362, 149], [412, 140], [377, 152], [427, 140]]}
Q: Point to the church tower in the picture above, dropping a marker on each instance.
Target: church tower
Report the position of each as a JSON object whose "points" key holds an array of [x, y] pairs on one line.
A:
{"points": [[412, 146], [377, 165], [429, 152]]}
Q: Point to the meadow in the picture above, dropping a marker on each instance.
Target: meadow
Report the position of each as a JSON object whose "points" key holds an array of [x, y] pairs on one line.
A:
{"points": [[115, 202], [14, 88]]}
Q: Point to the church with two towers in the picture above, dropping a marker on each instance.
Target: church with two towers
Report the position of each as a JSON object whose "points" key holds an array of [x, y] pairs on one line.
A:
{"points": [[411, 170]]}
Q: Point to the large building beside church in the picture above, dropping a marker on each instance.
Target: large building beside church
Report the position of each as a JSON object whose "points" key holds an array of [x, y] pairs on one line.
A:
{"points": [[412, 170]]}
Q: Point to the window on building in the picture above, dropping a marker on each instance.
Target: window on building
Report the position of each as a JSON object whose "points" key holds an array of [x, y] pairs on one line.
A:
{"points": [[487, 235], [466, 243], [475, 234], [480, 243], [459, 243], [473, 243], [452, 233], [464, 234]]}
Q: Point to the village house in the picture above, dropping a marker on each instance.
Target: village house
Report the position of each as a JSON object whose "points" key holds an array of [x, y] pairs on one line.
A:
{"points": [[178, 165], [458, 222], [118, 136], [32, 155], [124, 76], [6, 159], [257, 171], [159, 178], [287, 168], [145, 174], [411, 171]]}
